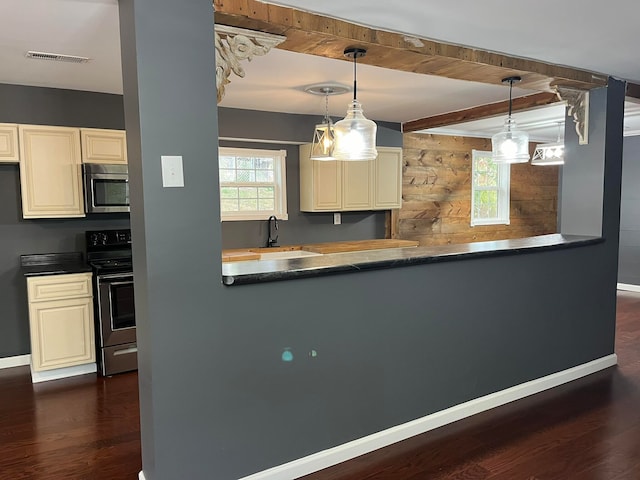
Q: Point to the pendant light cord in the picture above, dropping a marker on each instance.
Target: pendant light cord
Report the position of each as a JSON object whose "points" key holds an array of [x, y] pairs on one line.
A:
{"points": [[326, 106], [355, 82], [510, 89]]}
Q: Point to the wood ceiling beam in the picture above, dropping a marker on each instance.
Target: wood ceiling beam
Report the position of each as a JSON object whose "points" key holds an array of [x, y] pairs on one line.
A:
{"points": [[328, 37], [483, 111], [633, 91]]}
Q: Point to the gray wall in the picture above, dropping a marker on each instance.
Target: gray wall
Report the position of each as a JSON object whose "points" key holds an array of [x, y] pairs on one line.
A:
{"points": [[46, 106], [49, 106], [629, 263], [300, 227], [393, 345]]}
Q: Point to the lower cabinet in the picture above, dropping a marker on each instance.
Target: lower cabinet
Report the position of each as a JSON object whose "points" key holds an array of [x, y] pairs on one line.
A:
{"points": [[61, 321]]}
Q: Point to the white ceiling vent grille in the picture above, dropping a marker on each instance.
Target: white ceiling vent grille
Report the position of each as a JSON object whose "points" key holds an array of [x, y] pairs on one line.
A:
{"points": [[56, 57]]}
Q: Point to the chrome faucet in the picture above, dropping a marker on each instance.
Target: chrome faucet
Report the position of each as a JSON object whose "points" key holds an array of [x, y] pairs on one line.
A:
{"points": [[272, 241]]}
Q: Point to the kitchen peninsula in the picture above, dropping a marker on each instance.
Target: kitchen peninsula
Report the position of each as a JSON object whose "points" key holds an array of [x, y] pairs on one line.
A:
{"points": [[267, 270]]}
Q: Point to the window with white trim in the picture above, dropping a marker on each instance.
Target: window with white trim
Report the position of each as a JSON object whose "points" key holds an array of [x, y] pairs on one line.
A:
{"points": [[489, 190], [252, 183]]}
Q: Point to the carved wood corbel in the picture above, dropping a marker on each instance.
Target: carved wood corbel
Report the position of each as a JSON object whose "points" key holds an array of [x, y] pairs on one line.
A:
{"points": [[578, 109], [234, 45]]}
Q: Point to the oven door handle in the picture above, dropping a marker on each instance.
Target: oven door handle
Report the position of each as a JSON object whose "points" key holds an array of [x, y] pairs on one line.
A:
{"points": [[125, 351], [115, 284], [126, 277]]}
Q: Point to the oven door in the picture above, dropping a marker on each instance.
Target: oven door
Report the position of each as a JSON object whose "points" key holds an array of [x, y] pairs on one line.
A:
{"points": [[115, 308]]}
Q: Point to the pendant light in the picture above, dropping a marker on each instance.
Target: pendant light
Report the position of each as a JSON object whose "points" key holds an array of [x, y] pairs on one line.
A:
{"points": [[510, 145], [355, 135], [549, 153], [324, 134]]}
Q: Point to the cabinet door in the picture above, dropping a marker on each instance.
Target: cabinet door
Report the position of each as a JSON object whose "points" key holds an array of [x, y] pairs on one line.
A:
{"points": [[62, 333], [103, 146], [9, 143], [320, 183], [357, 182], [50, 173], [388, 178], [327, 191]]}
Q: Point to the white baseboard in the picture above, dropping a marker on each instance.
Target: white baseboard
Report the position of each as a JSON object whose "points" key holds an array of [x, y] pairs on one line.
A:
{"points": [[141, 476], [327, 458], [58, 373], [627, 287], [17, 361]]}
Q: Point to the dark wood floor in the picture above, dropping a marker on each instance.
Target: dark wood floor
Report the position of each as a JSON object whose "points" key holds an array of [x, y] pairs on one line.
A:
{"points": [[87, 428]]}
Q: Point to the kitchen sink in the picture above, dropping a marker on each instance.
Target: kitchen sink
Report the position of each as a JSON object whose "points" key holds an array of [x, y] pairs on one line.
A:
{"points": [[287, 255]]}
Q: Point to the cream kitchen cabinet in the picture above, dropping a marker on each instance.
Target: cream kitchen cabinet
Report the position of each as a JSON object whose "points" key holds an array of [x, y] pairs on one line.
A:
{"points": [[103, 146], [9, 143], [350, 186], [388, 178], [50, 172], [61, 321]]}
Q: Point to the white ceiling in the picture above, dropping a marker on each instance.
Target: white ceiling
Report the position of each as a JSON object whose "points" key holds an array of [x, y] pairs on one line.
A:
{"points": [[276, 81]]}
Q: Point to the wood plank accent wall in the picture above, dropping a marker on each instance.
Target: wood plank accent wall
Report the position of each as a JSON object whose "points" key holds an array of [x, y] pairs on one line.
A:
{"points": [[436, 193]]}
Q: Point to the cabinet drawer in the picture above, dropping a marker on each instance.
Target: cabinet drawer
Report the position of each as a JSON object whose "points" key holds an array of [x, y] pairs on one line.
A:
{"points": [[58, 287]]}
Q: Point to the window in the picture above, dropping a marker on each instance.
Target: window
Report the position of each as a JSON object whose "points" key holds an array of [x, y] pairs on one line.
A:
{"points": [[252, 184], [489, 190]]}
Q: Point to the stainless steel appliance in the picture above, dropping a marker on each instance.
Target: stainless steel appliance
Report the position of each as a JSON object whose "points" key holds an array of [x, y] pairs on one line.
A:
{"points": [[109, 254], [106, 188]]}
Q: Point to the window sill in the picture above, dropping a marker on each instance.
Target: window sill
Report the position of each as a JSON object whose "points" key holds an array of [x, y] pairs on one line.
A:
{"points": [[240, 218]]}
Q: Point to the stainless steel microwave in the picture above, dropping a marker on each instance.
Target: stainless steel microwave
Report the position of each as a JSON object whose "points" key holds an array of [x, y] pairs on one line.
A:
{"points": [[106, 188]]}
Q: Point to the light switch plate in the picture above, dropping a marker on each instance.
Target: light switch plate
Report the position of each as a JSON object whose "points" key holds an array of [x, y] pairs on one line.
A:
{"points": [[172, 174], [337, 218]]}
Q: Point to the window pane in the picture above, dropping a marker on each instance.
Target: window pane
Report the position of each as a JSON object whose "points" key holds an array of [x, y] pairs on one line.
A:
{"points": [[227, 175], [227, 162], [227, 205], [264, 163], [492, 176], [264, 175], [228, 192], [481, 179], [246, 163], [266, 192], [248, 192], [246, 175], [266, 204], [248, 204], [486, 204]]}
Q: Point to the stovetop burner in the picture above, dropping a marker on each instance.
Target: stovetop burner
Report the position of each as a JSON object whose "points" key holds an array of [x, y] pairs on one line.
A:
{"points": [[109, 251]]}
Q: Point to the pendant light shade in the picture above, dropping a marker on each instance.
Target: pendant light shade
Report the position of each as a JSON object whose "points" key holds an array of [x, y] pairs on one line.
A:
{"points": [[323, 144], [549, 153], [355, 135], [510, 145]]}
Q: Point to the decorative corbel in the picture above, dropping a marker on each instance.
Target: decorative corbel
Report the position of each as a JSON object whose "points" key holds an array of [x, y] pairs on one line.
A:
{"points": [[578, 109], [236, 44]]}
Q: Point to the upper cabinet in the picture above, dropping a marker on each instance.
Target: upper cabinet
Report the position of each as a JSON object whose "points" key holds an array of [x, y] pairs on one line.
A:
{"points": [[50, 172], [103, 146], [9, 143], [331, 186], [388, 178]]}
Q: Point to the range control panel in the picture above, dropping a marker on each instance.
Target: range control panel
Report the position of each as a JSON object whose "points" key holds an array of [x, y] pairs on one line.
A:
{"points": [[99, 239]]}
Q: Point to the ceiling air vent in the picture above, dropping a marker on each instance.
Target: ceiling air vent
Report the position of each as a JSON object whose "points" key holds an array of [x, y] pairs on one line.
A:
{"points": [[57, 57]]}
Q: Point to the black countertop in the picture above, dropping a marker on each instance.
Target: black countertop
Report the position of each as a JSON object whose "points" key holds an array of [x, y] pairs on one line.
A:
{"points": [[53, 264], [238, 273]]}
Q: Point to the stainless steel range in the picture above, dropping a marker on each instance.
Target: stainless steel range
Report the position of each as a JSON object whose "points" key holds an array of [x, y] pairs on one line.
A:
{"points": [[109, 254]]}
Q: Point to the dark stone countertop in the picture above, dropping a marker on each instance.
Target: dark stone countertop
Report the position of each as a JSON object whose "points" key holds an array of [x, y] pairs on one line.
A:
{"points": [[257, 271], [53, 264]]}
